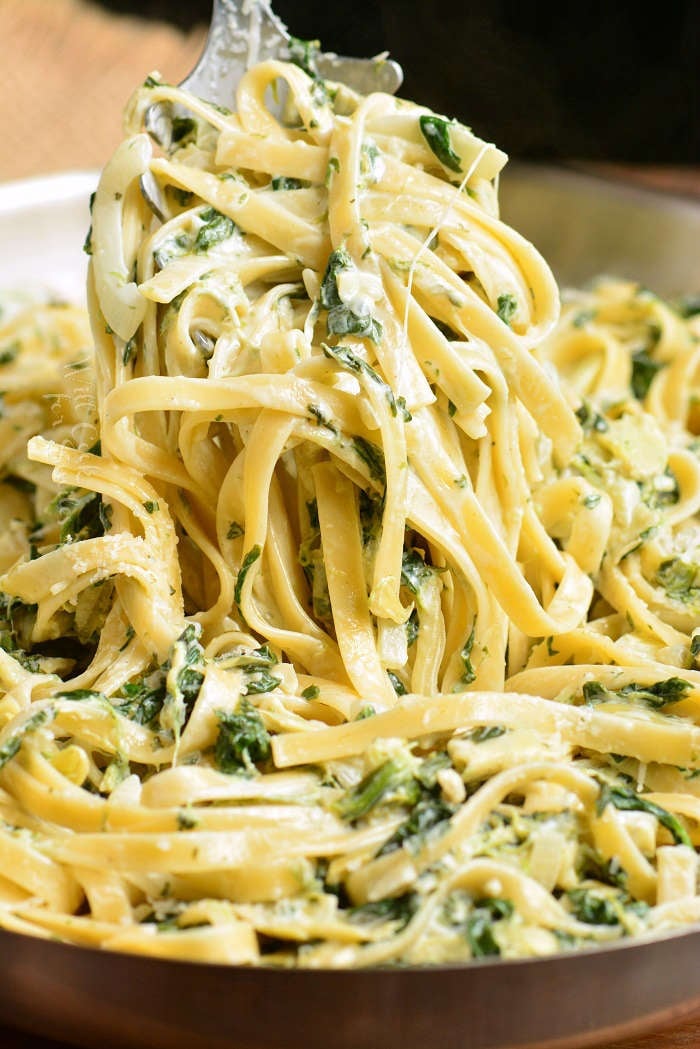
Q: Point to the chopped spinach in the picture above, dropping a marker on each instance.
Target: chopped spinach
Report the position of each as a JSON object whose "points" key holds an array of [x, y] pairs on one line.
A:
{"points": [[414, 571], [260, 682], [412, 627], [396, 683], [304, 53], [17, 622], [243, 741], [345, 356], [367, 711], [79, 514], [507, 307], [312, 511], [429, 814], [373, 458], [184, 129], [680, 579], [321, 419], [398, 909], [79, 695], [329, 296], [644, 368], [189, 678], [393, 778], [371, 165], [627, 800], [480, 925], [658, 695], [9, 748], [469, 674], [13, 743], [436, 132], [283, 182], [130, 351], [662, 490], [332, 169], [427, 772], [169, 249], [248, 561], [186, 820], [144, 700], [9, 352], [593, 908], [341, 319], [215, 228], [486, 732], [183, 197], [590, 419], [592, 865]]}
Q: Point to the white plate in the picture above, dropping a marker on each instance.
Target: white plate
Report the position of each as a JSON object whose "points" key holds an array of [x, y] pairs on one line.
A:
{"points": [[43, 224]]}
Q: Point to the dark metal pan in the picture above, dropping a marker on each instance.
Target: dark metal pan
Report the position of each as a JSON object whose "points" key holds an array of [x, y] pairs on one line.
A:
{"points": [[584, 226], [115, 1001]]}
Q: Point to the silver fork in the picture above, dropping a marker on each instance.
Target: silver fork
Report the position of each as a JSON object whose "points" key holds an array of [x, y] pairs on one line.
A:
{"points": [[243, 32]]}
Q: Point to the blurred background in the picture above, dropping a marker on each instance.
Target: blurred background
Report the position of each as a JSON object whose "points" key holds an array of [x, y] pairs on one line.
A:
{"points": [[600, 82]]}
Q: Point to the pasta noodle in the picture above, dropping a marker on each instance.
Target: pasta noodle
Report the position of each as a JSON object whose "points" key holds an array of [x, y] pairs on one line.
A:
{"points": [[350, 590]]}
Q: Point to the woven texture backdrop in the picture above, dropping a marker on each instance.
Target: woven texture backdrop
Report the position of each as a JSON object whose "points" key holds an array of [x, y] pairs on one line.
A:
{"points": [[67, 69]]}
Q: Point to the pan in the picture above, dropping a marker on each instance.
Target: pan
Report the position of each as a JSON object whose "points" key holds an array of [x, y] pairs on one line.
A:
{"points": [[116, 1001], [584, 226]]}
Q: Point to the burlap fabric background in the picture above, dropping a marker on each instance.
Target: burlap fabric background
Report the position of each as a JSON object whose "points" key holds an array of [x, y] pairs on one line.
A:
{"points": [[66, 70]]}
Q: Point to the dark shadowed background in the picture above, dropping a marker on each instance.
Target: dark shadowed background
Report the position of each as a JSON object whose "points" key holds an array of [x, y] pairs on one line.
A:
{"points": [[616, 81]]}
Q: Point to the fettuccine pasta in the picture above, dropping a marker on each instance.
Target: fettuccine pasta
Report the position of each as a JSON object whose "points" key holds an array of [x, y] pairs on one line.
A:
{"points": [[350, 588]]}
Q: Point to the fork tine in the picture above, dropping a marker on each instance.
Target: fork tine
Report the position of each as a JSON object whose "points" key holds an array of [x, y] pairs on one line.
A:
{"points": [[240, 34], [244, 32], [365, 75]]}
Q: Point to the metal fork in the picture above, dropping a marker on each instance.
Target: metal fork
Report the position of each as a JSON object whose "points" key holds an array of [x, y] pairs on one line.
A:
{"points": [[243, 32]]}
